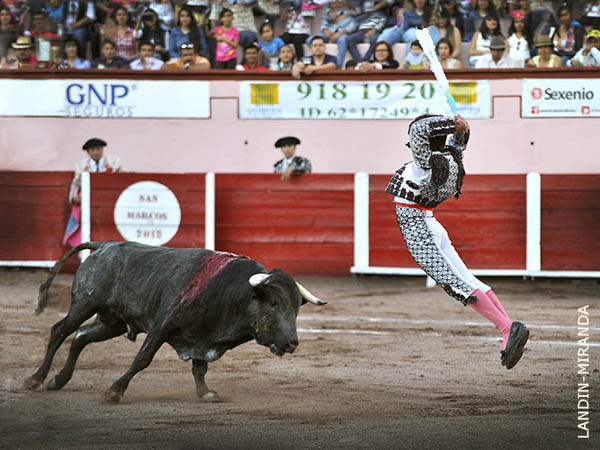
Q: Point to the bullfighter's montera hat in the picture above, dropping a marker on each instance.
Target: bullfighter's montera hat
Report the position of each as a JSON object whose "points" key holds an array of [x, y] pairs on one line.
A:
{"points": [[288, 140], [93, 142]]}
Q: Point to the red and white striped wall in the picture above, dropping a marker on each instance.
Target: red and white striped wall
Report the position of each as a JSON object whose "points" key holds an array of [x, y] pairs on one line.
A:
{"points": [[323, 224]]}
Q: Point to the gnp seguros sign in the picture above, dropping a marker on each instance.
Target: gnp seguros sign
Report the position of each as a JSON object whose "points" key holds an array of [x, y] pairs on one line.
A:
{"points": [[105, 98]]}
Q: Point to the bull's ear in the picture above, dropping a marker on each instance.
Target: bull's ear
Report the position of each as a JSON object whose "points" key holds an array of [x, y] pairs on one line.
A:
{"points": [[258, 279]]}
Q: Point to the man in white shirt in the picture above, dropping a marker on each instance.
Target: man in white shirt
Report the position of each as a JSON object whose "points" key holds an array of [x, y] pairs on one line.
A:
{"points": [[498, 58], [588, 56], [146, 61], [96, 161]]}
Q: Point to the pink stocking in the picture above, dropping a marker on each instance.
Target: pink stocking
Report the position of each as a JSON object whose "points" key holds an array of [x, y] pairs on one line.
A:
{"points": [[485, 306], [496, 302]]}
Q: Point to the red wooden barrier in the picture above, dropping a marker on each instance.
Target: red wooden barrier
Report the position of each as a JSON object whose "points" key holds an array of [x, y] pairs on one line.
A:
{"points": [[189, 190], [570, 222], [487, 225], [303, 226], [34, 213]]}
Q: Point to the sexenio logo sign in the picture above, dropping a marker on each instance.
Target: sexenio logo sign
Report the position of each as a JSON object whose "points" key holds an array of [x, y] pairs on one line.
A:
{"points": [[110, 99], [560, 98]]}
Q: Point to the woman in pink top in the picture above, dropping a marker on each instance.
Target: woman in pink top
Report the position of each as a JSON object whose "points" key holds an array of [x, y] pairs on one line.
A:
{"points": [[227, 41]]}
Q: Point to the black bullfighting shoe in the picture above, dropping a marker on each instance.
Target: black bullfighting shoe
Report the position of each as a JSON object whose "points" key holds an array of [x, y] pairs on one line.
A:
{"points": [[514, 347]]}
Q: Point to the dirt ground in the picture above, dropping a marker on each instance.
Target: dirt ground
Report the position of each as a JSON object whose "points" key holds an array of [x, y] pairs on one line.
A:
{"points": [[387, 364]]}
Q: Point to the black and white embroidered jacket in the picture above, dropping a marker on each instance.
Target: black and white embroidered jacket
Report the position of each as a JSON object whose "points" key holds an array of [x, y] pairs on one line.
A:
{"points": [[432, 176], [299, 165]]}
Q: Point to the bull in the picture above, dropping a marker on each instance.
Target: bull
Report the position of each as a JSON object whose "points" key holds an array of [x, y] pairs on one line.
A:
{"points": [[202, 303]]}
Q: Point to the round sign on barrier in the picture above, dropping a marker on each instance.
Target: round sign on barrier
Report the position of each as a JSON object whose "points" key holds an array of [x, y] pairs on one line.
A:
{"points": [[147, 212]]}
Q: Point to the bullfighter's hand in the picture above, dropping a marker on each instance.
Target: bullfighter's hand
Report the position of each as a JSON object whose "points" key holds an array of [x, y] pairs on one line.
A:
{"points": [[461, 124], [286, 174]]}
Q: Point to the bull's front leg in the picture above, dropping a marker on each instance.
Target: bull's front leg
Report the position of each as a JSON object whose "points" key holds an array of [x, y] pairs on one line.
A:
{"points": [[199, 368], [143, 359]]}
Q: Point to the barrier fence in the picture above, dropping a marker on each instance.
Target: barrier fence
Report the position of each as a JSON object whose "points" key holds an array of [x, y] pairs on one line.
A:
{"points": [[317, 224]]}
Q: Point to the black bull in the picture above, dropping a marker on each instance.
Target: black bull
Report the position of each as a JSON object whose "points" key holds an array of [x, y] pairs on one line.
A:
{"points": [[200, 302]]}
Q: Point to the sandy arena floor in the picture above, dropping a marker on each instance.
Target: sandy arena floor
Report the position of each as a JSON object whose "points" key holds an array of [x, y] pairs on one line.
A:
{"points": [[387, 364]]}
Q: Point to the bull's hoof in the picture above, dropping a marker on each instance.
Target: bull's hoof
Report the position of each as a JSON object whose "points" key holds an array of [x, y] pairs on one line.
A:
{"points": [[56, 383], [112, 396], [31, 383], [211, 397]]}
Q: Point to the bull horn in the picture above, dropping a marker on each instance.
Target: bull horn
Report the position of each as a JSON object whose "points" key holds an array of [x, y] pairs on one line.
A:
{"points": [[258, 278], [308, 296]]}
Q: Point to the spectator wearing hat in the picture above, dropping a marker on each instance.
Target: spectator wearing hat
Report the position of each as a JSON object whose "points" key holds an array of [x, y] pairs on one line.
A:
{"points": [[96, 161], [497, 58], [318, 61], [520, 38], [535, 11], [545, 57], [588, 56], [291, 164], [591, 15], [109, 58], [251, 55], [24, 56], [189, 59]]}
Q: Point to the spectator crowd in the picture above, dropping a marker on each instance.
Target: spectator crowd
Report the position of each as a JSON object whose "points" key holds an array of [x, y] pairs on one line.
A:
{"points": [[300, 36]]}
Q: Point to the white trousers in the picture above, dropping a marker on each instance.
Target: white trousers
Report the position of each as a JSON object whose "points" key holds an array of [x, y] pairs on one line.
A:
{"points": [[430, 246]]}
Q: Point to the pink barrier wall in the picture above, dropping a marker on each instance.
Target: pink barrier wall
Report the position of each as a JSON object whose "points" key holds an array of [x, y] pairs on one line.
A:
{"points": [[506, 143]]}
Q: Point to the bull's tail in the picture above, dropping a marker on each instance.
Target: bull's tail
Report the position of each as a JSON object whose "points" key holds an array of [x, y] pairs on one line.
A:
{"points": [[43, 293]]}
